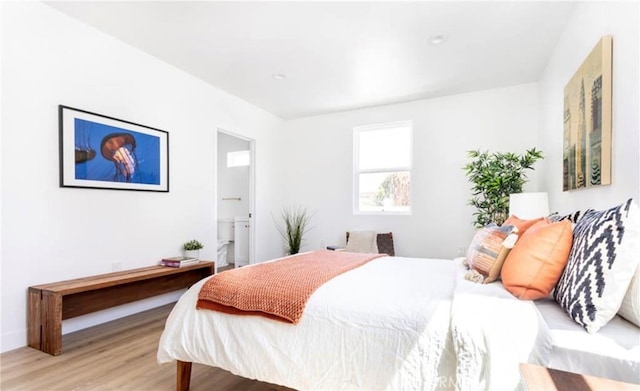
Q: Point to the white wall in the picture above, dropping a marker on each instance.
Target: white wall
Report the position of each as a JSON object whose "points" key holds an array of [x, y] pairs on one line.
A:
{"points": [[318, 166], [1, 116], [589, 22], [51, 233]]}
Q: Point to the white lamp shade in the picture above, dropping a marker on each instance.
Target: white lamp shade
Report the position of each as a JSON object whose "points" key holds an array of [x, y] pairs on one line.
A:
{"points": [[529, 205]]}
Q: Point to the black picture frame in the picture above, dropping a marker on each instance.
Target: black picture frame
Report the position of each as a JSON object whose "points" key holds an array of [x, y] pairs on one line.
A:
{"points": [[102, 152]]}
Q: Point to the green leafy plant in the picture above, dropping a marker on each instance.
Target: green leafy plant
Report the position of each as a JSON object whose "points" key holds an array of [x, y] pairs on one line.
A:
{"points": [[295, 223], [395, 187], [192, 245], [494, 176]]}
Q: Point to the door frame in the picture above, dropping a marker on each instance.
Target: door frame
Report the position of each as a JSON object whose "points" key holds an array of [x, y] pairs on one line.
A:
{"points": [[252, 189]]}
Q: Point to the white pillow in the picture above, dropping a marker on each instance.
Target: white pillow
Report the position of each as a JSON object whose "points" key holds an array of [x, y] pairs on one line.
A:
{"points": [[630, 308], [603, 259]]}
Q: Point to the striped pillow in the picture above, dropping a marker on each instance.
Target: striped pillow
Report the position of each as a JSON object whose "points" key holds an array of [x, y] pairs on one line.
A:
{"points": [[489, 249]]}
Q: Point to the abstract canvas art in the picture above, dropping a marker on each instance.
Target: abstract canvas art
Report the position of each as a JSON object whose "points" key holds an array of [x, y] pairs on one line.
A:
{"points": [[587, 121]]}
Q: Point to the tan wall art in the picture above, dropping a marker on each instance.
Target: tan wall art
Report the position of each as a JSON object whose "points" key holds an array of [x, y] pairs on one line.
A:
{"points": [[587, 121]]}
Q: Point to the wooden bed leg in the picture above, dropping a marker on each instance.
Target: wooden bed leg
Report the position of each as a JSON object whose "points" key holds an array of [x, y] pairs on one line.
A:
{"points": [[183, 376]]}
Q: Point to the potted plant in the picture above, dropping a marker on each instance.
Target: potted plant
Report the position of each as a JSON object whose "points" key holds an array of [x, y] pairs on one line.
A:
{"points": [[192, 249], [295, 225], [494, 176]]}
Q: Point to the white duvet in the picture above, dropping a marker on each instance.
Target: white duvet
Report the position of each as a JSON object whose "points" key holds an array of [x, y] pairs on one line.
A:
{"points": [[493, 332], [392, 324]]}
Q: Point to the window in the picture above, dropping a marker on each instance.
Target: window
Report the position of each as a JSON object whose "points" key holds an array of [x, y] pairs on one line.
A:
{"points": [[382, 168], [238, 159]]}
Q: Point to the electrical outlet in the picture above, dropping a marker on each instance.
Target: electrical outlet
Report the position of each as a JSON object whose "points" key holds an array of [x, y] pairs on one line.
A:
{"points": [[116, 266], [461, 251]]}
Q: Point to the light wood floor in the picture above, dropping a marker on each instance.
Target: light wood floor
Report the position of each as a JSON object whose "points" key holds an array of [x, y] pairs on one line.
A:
{"points": [[119, 355]]}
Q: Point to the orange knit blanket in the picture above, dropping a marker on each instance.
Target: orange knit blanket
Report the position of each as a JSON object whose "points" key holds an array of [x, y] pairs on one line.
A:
{"points": [[279, 289]]}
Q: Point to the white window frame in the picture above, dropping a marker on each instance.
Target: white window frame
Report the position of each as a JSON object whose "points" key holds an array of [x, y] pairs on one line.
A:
{"points": [[357, 171]]}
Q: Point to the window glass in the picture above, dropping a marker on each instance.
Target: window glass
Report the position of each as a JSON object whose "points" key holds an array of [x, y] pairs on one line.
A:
{"points": [[382, 168], [238, 159], [385, 148]]}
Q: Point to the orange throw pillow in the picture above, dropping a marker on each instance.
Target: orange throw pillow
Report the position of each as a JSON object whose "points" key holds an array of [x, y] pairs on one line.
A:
{"points": [[534, 266], [521, 224]]}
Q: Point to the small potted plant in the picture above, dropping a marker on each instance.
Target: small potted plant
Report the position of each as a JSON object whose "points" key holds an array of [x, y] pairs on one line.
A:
{"points": [[295, 225], [192, 249]]}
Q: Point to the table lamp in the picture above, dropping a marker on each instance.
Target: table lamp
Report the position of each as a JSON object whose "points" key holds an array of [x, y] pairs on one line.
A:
{"points": [[529, 205]]}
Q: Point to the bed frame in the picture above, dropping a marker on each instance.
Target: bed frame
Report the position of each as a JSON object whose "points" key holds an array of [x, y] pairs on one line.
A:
{"points": [[183, 375]]}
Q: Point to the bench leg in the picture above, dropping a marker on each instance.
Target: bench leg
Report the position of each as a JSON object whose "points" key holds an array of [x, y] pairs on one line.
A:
{"points": [[51, 313], [183, 376], [34, 322]]}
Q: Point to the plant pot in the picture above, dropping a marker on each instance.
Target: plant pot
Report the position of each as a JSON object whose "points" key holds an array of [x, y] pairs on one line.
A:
{"points": [[192, 254]]}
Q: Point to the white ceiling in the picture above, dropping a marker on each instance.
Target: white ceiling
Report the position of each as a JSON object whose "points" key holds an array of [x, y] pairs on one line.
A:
{"points": [[338, 55]]}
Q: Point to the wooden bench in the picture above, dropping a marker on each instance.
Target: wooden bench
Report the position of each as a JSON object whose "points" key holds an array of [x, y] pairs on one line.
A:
{"points": [[537, 378], [49, 304]]}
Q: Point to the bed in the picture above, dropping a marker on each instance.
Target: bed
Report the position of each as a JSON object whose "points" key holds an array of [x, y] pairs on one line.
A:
{"points": [[393, 323], [613, 352], [564, 294]]}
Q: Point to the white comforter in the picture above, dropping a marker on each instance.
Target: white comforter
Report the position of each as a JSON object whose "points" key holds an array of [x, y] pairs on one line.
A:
{"points": [[390, 324], [493, 332]]}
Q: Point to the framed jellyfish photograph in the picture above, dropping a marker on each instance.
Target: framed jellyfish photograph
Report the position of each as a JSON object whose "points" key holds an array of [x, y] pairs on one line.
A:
{"points": [[101, 152]]}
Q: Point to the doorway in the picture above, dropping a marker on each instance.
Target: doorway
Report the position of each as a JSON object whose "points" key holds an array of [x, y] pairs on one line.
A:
{"points": [[235, 200]]}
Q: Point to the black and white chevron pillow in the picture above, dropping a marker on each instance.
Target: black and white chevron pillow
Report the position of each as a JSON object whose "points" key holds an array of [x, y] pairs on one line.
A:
{"points": [[573, 217], [603, 259]]}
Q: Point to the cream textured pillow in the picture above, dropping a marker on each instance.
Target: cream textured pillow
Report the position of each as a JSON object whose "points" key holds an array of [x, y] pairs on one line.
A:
{"points": [[489, 249], [362, 242], [630, 308]]}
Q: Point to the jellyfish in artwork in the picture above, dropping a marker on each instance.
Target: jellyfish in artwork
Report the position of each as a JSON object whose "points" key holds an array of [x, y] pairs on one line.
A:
{"points": [[84, 154], [83, 150], [119, 148]]}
